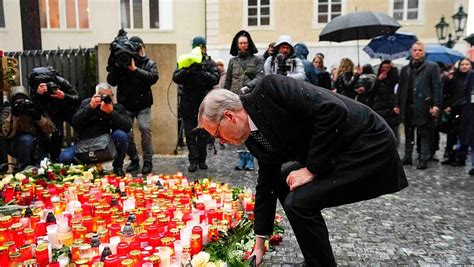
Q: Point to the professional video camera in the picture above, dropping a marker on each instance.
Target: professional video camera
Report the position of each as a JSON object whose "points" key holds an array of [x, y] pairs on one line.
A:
{"points": [[122, 51], [284, 66]]}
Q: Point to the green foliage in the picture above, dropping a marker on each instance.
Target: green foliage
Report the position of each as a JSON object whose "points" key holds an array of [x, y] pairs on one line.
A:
{"points": [[66, 250]]}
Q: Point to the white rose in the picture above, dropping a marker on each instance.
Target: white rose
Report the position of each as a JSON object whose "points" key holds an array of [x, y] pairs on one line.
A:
{"points": [[200, 259], [20, 176], [210, 264], [40, 171], [7, 179]]}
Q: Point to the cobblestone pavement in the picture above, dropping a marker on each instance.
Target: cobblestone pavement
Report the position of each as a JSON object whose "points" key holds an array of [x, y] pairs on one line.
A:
{"points": [[430, 223]]}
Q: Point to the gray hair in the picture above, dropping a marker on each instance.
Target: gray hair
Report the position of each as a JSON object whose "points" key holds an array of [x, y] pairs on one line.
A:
{"points": [[216, 102], [102, 86]]}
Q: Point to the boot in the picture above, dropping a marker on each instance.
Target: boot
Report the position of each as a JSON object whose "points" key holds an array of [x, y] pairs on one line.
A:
{"points": [[407, 160], [422, 164], [202, 165], [249, 164], [147, 167], [241, 164], [192, 167], [119, 172], [471, 171], [134, 165]]}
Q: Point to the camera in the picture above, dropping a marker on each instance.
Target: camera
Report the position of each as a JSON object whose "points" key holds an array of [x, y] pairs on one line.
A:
{"points": [[122, 51], [283, 65], [106, 99], [52, 87], [23, 106]]}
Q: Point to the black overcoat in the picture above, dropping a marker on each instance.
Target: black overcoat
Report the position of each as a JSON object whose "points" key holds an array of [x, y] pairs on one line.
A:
{"points": [[427, 91], [467, 117], [348, 146]]}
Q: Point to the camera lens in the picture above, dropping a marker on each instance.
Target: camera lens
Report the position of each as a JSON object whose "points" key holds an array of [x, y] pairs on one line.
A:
{"points": [[123, 60], [106, 99]]}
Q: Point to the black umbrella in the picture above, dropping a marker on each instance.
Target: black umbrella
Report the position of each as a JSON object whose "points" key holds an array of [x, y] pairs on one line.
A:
{"points": [[357, 26], [470, 39]]}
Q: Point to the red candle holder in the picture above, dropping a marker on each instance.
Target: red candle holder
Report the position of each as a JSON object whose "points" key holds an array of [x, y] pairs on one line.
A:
{"points": [[123, 248], [196, 244], [41, 254], [4, 256], [197, 230]]}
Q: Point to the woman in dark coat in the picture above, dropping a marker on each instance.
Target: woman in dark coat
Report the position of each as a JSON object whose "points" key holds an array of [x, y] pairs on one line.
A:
{"points": [[244, 72], [467, 119], [323, 77], [346, 78], [384, 95], [454, 103]]}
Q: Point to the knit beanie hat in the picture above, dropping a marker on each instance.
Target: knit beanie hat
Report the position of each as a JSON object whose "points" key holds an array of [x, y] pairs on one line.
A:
{"points": [[199, 40]]}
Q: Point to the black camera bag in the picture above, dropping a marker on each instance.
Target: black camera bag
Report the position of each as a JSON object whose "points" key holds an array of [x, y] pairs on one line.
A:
{"points": [[96, 149]]}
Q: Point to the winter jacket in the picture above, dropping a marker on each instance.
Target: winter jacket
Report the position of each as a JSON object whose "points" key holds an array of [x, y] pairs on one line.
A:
{"points": [[466, 136], [301, 51], [294, 64], [383, 93], [14, 125], [196, 80], [427, 91], [345, 84], [56, 108], [134, 87], [90, 122]]}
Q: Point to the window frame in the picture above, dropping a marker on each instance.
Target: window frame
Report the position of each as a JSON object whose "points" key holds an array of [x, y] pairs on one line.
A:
{"points": [[406, 10], [62, 10], [316, 23], [271, 16], [2, 7], [165, 9]]}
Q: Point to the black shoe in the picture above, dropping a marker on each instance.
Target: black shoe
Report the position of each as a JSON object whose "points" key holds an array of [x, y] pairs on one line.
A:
{"points": [[471, 172], [422, 165], [192, 167], [147, 167], [433, 158], [447, 162], [407, 161], [134, 166], [119, 172], [202, 166]]}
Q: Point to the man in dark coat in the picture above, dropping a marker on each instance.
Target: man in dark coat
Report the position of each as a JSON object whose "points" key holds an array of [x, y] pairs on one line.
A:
{"points": [[134, 93], [340, 152], [419, 98], [196, 80], [98, 116]]}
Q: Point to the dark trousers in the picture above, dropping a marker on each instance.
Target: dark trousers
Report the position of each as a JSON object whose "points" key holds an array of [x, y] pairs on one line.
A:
{"points": [[307, 223], [424, 135], [121, 144], [56, 142], [23, 148], [196, 141]]}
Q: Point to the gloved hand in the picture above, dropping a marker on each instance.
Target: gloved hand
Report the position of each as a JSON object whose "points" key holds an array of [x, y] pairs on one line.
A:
{"points": [[28, 108], [245, 89]]}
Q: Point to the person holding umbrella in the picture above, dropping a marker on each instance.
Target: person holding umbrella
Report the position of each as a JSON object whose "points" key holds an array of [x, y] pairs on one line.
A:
{"points": [[419, 99]]}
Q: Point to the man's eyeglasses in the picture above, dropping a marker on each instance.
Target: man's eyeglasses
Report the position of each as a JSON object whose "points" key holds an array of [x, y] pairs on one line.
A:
{"points": [[217, 129]]}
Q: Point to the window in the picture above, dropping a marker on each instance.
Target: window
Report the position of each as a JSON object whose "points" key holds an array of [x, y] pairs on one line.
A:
{"points": [[2, 15], [258, 13], [328, 10], [71, 14], [132, 14], [405, 9]]}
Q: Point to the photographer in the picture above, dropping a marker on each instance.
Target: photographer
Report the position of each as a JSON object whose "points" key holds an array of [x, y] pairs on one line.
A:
{"points": [[97, 116], [284, 61], [134, 74], [26, 129], [197, 80], [56, 96]]}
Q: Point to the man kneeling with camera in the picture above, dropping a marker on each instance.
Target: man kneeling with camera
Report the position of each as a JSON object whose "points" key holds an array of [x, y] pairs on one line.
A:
{"points": [[26, 129], [103, 131]]}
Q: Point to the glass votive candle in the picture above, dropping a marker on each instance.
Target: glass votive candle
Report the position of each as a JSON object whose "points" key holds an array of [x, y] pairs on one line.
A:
{"points": [[52, 231], [85, 251], [114, 241], [41, 254], [165, 256], [79, 232], [196, 244]]}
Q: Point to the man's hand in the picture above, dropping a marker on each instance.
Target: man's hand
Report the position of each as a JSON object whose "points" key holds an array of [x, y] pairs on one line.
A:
{"points": [[396, 110], [258, 250], [360, 90], [42, 88], [299, 177], [434, 111], [95, 101], [132, 65], [107, 108], [447, 109], [58, 94]]}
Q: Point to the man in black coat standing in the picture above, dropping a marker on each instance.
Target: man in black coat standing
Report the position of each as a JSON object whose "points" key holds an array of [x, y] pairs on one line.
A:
{"points": [[418, 101], [134, 93], [196, 80], [340, 152]]}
